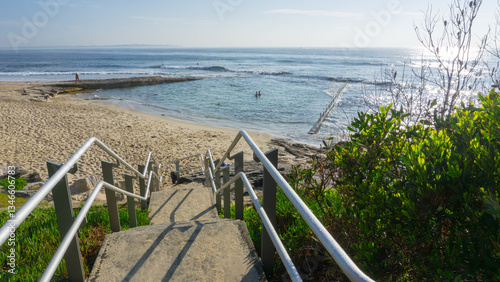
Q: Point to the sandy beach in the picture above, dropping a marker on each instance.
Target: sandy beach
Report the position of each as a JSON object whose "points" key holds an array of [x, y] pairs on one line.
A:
{"points": [[36, 127]]}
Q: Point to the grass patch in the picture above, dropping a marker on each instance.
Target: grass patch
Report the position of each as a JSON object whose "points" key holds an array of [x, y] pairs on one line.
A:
{"points": [[4, 201], [13, 183], [38, 238]]}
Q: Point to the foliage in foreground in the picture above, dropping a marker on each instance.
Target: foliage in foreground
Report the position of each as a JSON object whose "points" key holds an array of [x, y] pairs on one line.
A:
{"points": [[6, 201], [17, 183], [418, 202], [408, 203], [37, 239]]}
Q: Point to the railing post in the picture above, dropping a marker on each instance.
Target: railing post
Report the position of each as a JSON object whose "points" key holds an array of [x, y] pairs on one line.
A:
{"points": [[65, 218], [207, 174], [227, 193], [156, 181], [107, 175], [129, 186], [177, 168], [142, 188], [217, 186], [238, 186], [269, 205]]}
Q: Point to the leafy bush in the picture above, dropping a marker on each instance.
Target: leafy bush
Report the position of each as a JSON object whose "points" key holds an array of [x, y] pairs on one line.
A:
{"points": [[416, 202], [18, 183]]}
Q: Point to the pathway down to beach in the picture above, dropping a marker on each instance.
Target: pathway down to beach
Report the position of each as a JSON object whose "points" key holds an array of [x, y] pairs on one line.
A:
{"points": [[187, 242]]}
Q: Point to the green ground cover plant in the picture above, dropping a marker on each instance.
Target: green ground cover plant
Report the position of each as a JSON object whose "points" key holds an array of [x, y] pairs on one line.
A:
{"points": [[5, 202], [38, 237], [19, 183]]}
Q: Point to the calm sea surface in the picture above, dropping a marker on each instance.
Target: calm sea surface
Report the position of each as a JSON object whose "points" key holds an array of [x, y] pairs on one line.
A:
{"points": [[295, 84]]}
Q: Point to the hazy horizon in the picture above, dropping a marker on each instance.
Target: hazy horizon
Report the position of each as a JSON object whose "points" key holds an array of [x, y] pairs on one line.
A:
{"points": [[218, 23]]}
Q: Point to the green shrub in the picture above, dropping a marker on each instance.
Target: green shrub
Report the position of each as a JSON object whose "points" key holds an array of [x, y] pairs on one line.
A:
{"points": [[19, 183], [416, 202]]}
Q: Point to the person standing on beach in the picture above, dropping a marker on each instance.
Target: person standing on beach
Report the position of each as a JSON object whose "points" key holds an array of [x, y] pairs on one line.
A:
{"points": [[77, 78]]}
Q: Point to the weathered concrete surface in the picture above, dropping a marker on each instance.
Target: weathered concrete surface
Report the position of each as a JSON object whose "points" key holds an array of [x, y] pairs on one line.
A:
{"points": [[187, 242], [213, 250], [191, 203]]}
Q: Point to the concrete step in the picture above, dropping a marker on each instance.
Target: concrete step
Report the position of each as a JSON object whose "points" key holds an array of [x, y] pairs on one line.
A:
{"points": [[187, 202], [200, 250]]}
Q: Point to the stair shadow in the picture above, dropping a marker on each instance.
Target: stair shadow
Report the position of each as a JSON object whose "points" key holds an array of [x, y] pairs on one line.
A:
{"points": [[172, 215], [161, 207], [177, 261], [252, 261], [148, 252], [207, 210], [182, 253]]}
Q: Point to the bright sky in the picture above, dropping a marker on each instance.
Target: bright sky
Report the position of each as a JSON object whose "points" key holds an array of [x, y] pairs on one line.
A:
{"points": [[219, 23]]}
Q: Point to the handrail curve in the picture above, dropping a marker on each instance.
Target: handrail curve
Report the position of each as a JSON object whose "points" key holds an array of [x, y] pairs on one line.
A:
{"points": [[189, 168], [38, 197], [350, 269]]}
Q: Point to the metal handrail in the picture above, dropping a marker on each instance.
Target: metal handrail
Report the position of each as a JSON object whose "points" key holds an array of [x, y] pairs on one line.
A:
{"points": [[210, 157], [195, 155], [210, 171], [63, 247], [350, 269], [33, 202], [280, 248], [190, 168]]}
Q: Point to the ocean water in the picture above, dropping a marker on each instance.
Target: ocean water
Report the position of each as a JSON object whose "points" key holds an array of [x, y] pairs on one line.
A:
{"points": [[295, 84]]}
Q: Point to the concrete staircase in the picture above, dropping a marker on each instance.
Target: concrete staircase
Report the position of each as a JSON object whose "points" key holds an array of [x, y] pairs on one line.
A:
{"points": [[187, 242]]}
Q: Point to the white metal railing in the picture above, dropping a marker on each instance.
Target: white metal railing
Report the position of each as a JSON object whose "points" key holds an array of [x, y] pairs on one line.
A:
{"points": [[58, 256], [211, 170], [334, 249], [280, 248], [178, 170], [33, 202]]}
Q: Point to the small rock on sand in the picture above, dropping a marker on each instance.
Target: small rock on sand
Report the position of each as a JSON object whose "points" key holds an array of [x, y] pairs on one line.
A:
{"points": [[85, 184]]}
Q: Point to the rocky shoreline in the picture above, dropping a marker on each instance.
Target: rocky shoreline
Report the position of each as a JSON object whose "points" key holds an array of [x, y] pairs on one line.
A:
{"points": [[290, 154], [113, 83], [43, 91]]}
